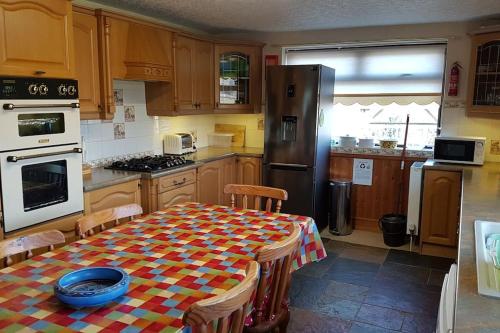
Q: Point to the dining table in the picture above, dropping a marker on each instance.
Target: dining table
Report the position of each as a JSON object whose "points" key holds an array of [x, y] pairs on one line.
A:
{"points": [[174, 257]]}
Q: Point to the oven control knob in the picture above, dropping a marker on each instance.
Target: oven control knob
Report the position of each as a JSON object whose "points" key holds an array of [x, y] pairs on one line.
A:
{"points": [[71, 90], [62, 90], [43, 89], [32, 89]]}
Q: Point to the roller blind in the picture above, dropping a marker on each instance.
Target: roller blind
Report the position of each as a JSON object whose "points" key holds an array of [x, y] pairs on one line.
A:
{"points": [[379, 70]]}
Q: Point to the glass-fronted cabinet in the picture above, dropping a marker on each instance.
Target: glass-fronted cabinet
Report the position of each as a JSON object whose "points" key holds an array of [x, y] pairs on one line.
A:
{"points": [[237, 78], [484, 77]]}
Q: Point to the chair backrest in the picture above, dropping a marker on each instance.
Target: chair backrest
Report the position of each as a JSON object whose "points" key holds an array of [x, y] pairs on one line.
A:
{"points": [[276, 265], [227, 310], [85, 225], [258, 192], [27, 243]]}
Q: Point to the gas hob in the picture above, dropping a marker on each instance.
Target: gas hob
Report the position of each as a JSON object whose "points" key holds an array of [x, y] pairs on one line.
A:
{"points": [[151, 164]]}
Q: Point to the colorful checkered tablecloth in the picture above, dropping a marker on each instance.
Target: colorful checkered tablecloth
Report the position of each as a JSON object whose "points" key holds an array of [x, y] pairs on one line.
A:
{"points": [[174, 257]]}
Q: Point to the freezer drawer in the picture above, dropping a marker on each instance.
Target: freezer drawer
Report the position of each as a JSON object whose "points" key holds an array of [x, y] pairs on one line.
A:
{"points": [[298, 181]]}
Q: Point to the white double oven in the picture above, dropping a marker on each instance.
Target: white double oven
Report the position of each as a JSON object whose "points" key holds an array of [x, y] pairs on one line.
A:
{"points": [[40, 150]]}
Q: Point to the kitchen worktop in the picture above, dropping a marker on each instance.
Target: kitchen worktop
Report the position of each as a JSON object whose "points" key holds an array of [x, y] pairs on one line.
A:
{"points": [[207, 154], [104, 177], [480, 201]]}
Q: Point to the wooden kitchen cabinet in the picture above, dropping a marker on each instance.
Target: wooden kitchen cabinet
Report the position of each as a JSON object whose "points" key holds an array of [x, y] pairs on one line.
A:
{"points": [[440, 215], [484, 75], [238, 78], [163, 192], [112, 196], [193, 76], [210, 183], [249, 170], [87, 63], [132, 49], [229, 176], [36, 38]]}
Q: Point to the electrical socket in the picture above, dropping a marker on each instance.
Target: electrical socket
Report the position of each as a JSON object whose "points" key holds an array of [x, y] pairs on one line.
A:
{"points": [[495, 147], [260, 124]]}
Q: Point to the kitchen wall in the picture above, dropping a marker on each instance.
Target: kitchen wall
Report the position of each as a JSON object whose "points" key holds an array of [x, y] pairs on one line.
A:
{"points": [[132, 131], [455, 121]]}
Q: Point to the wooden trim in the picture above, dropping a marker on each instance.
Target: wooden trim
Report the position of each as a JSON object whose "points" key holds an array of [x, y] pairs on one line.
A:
{"points": [[438, 250], [83, 10]]}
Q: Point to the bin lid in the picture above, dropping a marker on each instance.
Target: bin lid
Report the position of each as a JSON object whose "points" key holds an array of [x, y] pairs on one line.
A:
{"points": [[340, 181]]}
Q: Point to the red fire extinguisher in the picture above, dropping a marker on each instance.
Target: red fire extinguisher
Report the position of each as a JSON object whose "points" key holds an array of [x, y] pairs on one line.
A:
{"points": [[454, 78]]}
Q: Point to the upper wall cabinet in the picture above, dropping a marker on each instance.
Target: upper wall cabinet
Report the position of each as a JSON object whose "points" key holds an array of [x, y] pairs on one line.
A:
{"points": [[484, 77], [238, 78], [36, 38], [194, 76], [87, 63]]}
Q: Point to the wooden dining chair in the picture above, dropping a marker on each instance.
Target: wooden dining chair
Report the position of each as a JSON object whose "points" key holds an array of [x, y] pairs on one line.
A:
{"points": [[226, 311], [86, 225], [27, 243], [258, 192], [271, 303]]}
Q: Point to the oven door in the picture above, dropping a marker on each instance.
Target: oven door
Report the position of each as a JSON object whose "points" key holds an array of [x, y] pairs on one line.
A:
{"points": [[40, 185], [33, 124]]}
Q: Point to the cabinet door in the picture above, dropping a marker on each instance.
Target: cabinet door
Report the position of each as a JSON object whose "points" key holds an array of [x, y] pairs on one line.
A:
{"points": [[179, 195], [112, 196], [484, 75], [87, 64], [249, 170], [209, 188], [204, 78], [237, 78], [36, 38], [441, 207], [229, 176], [184, 74]]}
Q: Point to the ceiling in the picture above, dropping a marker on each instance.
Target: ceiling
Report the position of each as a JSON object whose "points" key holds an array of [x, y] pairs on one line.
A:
{"points": [[218, 16]]}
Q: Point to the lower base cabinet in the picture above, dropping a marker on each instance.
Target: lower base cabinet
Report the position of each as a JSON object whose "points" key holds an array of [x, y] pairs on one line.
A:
{"points": [[163, 192], [440, 215], [112, 196]]}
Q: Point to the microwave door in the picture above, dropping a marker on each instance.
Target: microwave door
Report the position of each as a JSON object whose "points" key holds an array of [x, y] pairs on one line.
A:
{"points": [[454, 150], [40, 186]]}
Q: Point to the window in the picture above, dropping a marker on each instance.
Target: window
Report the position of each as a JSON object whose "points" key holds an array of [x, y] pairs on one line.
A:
{"points": [[377, 86]]}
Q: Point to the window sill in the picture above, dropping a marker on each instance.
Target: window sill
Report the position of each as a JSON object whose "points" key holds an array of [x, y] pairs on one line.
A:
{"points": [[422, 153]]}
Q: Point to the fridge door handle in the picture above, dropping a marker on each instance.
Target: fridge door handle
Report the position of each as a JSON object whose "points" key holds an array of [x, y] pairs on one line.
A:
{"points": [[286, 166]]}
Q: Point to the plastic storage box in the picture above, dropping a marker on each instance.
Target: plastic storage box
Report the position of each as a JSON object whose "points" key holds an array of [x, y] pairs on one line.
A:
{"points": [[220, 139]]}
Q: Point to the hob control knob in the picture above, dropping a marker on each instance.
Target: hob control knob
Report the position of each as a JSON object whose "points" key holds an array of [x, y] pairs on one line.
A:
{"points": [[71, 90], [62, 90], [43, 89], [33, 89]]}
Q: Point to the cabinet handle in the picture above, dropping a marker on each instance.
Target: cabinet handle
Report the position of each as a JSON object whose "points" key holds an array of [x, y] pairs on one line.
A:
{"points": [[39, 72], [180, 183], [216, 104]]}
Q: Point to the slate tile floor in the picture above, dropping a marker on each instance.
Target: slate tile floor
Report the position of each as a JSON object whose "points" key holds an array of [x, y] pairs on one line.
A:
{"points": [[361, 289]]}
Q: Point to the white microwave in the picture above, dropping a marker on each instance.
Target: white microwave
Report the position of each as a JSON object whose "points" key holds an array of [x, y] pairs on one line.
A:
{"points": [[178, 144], [459, 150]]}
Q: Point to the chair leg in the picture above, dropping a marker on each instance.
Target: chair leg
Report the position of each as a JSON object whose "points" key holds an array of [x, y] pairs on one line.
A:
{"points": [[283, 325]]}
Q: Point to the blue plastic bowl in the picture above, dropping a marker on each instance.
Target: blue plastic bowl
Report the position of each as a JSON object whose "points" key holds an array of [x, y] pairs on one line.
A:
{"points": [[95, 286]]}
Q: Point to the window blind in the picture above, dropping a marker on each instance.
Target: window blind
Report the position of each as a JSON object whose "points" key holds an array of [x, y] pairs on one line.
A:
{"points": [[379, 70]]}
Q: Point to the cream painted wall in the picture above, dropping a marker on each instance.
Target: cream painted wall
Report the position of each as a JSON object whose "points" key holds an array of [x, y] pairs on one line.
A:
{"points": [[455, 121], [202, 125]]}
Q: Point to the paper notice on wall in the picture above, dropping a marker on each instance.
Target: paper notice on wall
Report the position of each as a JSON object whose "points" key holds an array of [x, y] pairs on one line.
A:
{"points": [[362, 172]]}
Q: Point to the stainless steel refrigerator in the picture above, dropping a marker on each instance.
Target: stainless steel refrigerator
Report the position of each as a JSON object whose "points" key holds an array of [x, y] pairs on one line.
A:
{"points": [[297, 137]]}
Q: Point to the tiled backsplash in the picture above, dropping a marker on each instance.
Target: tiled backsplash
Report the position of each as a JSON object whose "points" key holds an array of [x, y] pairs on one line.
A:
{"points": [[140, 135], [122, 137]]}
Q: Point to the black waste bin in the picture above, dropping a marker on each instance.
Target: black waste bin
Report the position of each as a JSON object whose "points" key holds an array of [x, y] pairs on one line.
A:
{"points": [[393, 227], [339, 210]]}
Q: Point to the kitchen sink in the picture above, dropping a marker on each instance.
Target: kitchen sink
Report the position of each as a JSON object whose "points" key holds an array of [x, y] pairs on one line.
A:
{"points": [[488, 277]]}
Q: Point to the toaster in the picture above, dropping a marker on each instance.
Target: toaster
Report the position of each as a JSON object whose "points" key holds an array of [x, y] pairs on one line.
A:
{"points": [[178, 143]]}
